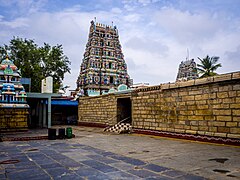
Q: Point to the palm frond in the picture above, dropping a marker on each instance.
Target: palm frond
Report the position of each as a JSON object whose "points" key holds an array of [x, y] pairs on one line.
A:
{"points": [[208, 65], [214, 68], [200, 70]]}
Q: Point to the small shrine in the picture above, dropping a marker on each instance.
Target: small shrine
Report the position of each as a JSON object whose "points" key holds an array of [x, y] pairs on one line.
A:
{"points": [[103, 66], [187, 71], [13, 104]]}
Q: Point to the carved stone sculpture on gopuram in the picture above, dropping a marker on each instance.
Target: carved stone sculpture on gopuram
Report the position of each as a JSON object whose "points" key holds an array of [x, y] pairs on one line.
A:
{"points": [[13, 103], [103, 66], [187, 71]]}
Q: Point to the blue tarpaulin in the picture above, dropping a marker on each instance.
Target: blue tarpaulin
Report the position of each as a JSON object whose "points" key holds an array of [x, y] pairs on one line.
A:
{"points": [[64, 103]]}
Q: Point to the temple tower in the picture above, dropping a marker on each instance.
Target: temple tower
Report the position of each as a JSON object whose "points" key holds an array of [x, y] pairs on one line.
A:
{"points": [[187, 71], [13, 104], [103, 66]]}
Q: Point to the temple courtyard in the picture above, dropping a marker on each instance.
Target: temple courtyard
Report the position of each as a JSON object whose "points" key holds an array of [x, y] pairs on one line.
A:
{"points": [[94, 154]]}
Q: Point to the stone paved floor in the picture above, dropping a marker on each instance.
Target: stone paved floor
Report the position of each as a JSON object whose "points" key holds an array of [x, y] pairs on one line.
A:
{"points": [[93, 154]]}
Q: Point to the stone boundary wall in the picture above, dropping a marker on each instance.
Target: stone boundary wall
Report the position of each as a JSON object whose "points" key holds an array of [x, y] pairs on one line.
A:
{"points": [[13, 119], [97, 111], [208, 106]]}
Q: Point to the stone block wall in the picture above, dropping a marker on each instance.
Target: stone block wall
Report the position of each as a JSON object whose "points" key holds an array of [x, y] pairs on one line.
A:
{"points": [[13, 119], [98, 110], [209, 106]]}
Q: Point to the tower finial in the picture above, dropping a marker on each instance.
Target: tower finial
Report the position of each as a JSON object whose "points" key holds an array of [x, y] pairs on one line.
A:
{"points": [[95, 23], [187, 58]]}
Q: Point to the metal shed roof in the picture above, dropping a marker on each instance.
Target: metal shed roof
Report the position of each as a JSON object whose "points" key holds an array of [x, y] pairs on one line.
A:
{"points": [[64, 103]]}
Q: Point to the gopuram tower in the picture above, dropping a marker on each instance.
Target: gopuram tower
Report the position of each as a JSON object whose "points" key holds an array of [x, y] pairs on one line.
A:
{"points": [[13, 103], [103, 66], [187, 71]]}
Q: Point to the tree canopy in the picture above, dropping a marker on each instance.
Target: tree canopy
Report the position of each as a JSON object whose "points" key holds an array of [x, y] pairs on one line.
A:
{"points": [[37, 62], [208, 66]]}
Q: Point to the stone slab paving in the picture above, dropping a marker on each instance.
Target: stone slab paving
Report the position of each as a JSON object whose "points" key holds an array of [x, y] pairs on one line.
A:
{"points": [[212, 161], [93, 154], [59, 160]]}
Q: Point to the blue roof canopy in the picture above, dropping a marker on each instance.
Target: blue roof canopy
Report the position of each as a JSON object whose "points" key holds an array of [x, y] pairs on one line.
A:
{"points": [[64, 103]]}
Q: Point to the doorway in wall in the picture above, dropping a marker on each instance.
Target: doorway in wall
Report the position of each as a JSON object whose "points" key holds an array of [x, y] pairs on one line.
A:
{"points": [[37, 112], [124, 110]]}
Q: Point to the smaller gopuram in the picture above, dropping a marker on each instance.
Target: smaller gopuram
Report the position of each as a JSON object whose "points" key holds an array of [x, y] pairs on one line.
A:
{"points": [[187, 71], [13, 104], [103, 66]]}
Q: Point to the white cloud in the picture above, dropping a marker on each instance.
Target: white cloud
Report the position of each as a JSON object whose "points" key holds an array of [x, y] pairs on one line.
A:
{"points": [[16, 23], [187, 27], [144, 2], [203, 33], [230, 58], [147, 45], [154, 40], [132, 18], [23, 7], [116, 10]]}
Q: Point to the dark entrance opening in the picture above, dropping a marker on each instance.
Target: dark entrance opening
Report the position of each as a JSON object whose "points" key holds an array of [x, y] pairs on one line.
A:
{"points": [[63, 111], [37, 112], [111, 80], [64, 115], [124, 110]]}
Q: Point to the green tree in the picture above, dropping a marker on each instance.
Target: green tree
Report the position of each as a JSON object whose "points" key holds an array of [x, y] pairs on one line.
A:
{"points": [[37, 62], [208, 66]]}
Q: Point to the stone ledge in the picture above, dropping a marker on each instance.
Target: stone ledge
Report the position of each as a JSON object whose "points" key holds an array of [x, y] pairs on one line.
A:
{"points": [[187, 83], [4, 130], [233, 136], [91, 124], [195, 137], [151, 88], [223, 77], [236, 75], [202, 81], [24, 138]]}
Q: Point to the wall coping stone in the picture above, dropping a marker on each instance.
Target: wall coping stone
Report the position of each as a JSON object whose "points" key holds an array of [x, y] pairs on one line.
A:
{"points": [[201, 81], [119, 95]]}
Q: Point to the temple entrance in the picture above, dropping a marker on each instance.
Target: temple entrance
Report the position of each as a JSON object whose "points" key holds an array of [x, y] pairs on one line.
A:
{"points": [[124, 110], [47, 109], [37, 112]]}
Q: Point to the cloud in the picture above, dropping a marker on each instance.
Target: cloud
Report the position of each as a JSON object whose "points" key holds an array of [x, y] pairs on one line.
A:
{"points": [[16, 23], [144, 2], [232, 57], [188, 27], [22, 7], [132, 18], [147, 45], [154, 35]]}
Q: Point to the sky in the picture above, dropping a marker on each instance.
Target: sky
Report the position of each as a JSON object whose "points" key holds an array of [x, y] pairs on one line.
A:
{"points": [[155, 34]]}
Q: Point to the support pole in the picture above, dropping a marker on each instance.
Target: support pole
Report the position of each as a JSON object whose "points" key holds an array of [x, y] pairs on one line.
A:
{"points": [[44, 114], [49, 112]]}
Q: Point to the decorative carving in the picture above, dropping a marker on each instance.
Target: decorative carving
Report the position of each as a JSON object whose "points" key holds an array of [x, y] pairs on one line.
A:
{"points": [[13, 104], [187, 71], [103, 58]]}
